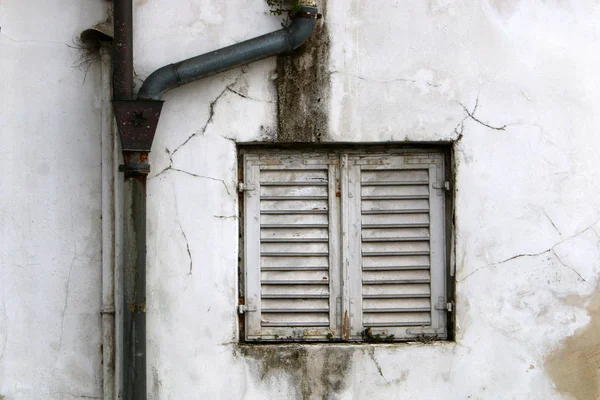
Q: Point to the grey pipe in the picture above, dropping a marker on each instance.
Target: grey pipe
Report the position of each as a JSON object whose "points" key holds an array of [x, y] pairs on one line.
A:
{"points": [[133, 356], [281, 41]]}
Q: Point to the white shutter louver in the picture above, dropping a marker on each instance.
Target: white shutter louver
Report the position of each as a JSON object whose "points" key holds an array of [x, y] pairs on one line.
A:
{"points": [[344, 246], [289, 255], [400, 240]]}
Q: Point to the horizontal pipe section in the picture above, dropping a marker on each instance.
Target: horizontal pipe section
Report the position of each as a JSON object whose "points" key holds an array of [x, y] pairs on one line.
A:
{"points": [[192, 69]]}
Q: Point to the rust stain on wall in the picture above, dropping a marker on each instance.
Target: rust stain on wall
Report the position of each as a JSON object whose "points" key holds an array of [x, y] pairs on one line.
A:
{"points": [[575, 366]]}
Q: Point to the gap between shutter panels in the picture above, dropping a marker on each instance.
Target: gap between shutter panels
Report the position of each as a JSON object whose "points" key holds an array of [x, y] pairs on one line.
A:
{"points": [[294, 248]]}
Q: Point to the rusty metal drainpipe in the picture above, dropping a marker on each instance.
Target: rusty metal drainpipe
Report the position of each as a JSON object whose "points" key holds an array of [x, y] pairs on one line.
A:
{"points": [[137, 121], [135, 169]]}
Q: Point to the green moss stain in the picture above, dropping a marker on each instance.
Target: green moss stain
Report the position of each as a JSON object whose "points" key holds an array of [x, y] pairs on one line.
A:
{"points": [[313, 372]]}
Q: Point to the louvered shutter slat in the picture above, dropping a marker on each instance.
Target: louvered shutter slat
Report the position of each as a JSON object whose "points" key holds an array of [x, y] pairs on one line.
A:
{"points": [[338, 243], [294, 250], [376, 201], [396, 247]]}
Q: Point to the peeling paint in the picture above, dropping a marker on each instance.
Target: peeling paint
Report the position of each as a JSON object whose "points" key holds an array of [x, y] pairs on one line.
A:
{"points": [[575, 365]]}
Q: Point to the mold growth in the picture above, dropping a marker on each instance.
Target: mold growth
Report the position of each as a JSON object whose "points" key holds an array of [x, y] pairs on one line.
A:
{"points": [[575, 366], [303, 89], [314, 372]]}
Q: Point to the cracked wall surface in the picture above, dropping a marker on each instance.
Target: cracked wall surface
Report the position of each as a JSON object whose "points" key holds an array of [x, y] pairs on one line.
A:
{"points": [[50, 190], [512, 84]]}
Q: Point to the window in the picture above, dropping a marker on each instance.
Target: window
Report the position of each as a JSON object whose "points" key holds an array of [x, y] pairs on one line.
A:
{"points": [[344, 246]]}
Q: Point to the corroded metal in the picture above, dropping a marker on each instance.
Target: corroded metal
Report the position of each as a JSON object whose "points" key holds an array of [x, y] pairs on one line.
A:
{"points": [[136, 122], [134, 290], [123, 50], [135, 164]]}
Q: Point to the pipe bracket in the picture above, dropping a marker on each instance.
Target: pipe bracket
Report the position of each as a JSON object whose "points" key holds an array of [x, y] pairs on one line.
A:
{"points": [[134, 169]]}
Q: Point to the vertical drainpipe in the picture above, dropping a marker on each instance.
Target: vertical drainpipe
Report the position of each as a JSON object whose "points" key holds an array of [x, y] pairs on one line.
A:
{"points": [[123, 50], [136, 122], [135, 169]]}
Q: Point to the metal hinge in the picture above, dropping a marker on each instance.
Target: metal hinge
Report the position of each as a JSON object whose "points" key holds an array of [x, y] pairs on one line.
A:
{"points": [[242, 187], [445, 305], [441, 185], [242, 308]]}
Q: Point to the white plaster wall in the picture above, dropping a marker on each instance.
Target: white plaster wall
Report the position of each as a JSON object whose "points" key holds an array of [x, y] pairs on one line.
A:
{"points": [[50, 271], [527, 210], [513, 82]]}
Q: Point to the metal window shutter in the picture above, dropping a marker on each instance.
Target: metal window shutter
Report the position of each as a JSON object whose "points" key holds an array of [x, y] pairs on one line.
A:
{"points": [[398, 287], [290, 257]]}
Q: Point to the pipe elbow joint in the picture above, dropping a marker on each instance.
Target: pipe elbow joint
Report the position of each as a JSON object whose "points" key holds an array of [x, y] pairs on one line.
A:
{"points": [[159, 82], [284, 40], [303, 25]]}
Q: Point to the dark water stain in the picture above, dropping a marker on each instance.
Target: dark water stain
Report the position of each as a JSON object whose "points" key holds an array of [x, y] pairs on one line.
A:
{"points": [[313, 372], [303, 89]]}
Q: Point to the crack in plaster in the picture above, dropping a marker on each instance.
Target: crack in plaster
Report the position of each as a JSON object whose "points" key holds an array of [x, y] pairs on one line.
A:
{"points": [[471, 114], [66, 303], [211, 114], [405, 80], [195, 176], [460, 128], [371, 353], [248, 97], [167, 168], [566, 266], [459, 133], [550, 250], [552, 222], [67, 288], [33, 40], [187, 243]]}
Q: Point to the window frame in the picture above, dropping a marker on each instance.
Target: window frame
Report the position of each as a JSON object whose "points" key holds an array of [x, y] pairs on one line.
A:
{"points": [[348, 152]]}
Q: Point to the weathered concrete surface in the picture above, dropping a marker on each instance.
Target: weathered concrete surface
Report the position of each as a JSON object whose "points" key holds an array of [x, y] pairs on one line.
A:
{"points": [[513, 82], [50, 270], [320, 374]]}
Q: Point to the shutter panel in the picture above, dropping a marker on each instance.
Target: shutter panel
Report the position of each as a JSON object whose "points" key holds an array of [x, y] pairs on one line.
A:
{"points": [[290, 257], [402, 260]]}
